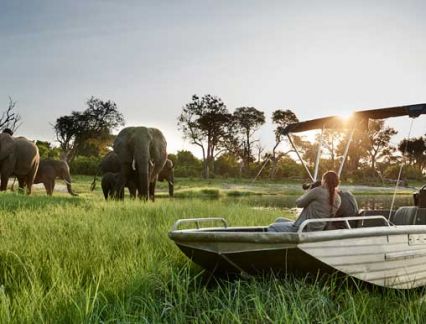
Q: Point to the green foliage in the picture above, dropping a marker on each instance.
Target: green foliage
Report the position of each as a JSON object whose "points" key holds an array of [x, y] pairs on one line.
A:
{"points": [[247, 121], [88, 132], [87, 165], [288, 168], [206, 122], [46, 150], [408, 172], [415, 150], [186, 164], [227, 165]]}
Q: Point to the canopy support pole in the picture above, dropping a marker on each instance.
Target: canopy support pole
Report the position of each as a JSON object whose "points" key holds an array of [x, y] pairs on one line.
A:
{"points": [[404, 160], [300, 158], [345, 154], [318, 155]]}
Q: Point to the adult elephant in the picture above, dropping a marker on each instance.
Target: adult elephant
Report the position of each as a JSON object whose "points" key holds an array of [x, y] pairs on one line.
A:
{"points": [[142, 149], [167, 173], [111, 164], [19, 157], [49, 170]]}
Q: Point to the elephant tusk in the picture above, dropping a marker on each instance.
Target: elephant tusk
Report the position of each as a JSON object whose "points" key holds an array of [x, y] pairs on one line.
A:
{"points": [[171, 183], [133, 165], [68, 183]]}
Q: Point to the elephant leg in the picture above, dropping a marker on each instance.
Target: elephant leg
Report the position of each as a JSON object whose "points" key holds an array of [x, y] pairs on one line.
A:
{"points": [[171, 188], [31, 176], [48, 187], [53, 185], [123, 177], [105, 191], [152, 190], [21, 185], [132, 188], [4, 181]]}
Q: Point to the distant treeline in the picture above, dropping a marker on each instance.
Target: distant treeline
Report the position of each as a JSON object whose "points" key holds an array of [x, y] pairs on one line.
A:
{"points": [[229, 146]]}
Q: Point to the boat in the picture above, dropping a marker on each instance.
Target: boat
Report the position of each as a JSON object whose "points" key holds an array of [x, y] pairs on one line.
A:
{"points": [[382, 247]]}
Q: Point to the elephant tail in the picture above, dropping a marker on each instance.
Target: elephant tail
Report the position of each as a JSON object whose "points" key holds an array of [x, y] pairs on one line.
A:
{"points": [[93, 184]]}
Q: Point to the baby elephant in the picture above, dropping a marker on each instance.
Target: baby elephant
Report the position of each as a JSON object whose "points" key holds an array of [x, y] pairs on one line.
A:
{"points": [[110, 186], [49, 170]]}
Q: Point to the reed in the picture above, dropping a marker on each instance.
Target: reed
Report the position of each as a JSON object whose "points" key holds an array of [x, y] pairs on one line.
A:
{"points": [[83, 260]]}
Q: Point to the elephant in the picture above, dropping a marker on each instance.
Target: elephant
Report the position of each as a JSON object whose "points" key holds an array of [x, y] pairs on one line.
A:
{"points": [[142, 149], [110, 186], [18, 157], [49, 170], [167, 173], [111, 163]]}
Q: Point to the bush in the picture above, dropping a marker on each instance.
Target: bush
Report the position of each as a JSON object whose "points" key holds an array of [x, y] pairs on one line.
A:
{"points": [[85, 165], [408, 172]]}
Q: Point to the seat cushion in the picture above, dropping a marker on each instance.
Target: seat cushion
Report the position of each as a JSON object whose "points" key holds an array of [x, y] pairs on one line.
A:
{"points": [[404, 216]]}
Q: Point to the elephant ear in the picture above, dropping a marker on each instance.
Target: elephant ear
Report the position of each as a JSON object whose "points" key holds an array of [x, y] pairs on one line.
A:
{"points": [[7, 146]]}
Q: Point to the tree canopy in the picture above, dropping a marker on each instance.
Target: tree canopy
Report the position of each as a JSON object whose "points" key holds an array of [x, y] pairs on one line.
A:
{"points": [[247, 121], [415, 150], [89, 130], [205, 122]]}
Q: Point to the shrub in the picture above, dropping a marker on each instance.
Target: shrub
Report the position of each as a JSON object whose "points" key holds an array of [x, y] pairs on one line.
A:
{"points": [[408, 172], [85, 165]]}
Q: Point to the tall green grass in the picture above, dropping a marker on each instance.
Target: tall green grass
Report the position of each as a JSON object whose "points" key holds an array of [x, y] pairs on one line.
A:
{"points": [[72, 260]]}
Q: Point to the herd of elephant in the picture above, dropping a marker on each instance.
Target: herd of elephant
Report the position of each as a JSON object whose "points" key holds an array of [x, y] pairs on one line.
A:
{"points": [[138, 161]]}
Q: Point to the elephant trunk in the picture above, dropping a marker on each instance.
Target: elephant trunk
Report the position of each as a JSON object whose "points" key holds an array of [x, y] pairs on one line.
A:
{"points": [[143, 170], [68, 183]]}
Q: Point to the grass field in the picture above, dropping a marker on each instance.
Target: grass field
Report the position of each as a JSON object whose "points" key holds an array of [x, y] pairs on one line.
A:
{"points": [[79, 259]]}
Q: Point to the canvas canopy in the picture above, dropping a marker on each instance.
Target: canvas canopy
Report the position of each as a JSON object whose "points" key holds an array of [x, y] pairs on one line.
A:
{"points": [[358, 118]]}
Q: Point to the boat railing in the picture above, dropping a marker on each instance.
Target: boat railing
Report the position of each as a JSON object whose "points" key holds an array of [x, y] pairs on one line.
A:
{"points": [[198, 221], [345, 220]]}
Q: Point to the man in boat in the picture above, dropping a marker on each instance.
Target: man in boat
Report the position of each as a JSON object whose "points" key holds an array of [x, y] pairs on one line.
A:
{"points": [[320, 202]]}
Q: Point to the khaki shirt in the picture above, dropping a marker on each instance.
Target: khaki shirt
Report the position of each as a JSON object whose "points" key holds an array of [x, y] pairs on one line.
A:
{"points": [[316, 204]]}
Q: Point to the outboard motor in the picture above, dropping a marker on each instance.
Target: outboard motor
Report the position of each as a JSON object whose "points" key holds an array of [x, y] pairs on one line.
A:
{"points": [[420, 197]]}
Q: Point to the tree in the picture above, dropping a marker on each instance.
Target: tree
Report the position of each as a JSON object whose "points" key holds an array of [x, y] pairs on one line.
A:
{"points": [[280, 118], [331, 140], [358, 150], [379, 137], [10, 118], [247, 122], [80, 130], [260, 148], [415, 150], [205, 122], [46, 150], [186, 164]]}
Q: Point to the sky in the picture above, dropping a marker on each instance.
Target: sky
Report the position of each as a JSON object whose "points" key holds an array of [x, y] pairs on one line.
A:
{"points": [[317, 58]]}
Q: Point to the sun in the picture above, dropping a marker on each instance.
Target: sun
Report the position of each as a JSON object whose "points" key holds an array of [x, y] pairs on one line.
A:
{"points": [[345, 116]]}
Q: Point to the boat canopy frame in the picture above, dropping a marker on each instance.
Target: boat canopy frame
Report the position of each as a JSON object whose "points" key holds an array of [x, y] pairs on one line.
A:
{"points": [[358, 120]]}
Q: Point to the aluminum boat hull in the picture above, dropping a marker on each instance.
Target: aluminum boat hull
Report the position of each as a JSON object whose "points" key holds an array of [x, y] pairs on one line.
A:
{"points": [[388, 256]]}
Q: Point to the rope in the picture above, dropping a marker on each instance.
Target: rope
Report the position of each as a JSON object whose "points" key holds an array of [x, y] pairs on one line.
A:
{"points": [[400, 168]]}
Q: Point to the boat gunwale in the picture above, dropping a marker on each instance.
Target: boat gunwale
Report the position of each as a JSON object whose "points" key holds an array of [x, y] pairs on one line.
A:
{"points": [[230, 235]]}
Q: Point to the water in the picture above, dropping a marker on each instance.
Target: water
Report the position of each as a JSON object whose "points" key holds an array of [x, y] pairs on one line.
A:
{"points": [[366, 202]]}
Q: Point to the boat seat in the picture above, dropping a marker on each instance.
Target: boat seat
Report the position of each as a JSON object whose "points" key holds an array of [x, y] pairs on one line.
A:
{"points": [[404, 216], [420, 218]]}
